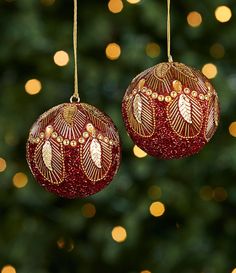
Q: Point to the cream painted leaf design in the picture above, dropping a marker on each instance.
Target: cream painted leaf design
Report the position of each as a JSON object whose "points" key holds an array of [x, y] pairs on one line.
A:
{"points": [[216, 112], [161, 70], [47, 155], [96, 153], [185, 108], [137, 108]]}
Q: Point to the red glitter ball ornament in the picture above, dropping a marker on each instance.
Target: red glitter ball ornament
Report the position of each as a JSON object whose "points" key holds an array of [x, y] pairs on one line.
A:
{"points": [[74, 150], [171, 110]]}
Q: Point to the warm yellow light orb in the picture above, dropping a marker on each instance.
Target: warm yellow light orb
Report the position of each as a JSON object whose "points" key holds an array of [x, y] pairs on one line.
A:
{"points": [[3, 165], [234, 270], [157, 209], [223, 14], [8, 269], [139, 152], [194, 19], [217, 51], [145, 271], [210, 70], [133, 1], [33, 86], [61, 58], [47, 2], [153, 50], [113, 51], [88, 210], [115, 6], [119, 234], [20, 180], [232, 129]]}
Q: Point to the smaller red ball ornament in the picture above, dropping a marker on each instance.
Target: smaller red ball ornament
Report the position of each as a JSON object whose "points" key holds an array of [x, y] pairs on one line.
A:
{"points": [[171, 110], [74, 150]]}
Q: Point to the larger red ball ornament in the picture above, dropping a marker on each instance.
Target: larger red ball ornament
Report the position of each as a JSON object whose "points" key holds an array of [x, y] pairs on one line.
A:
{"points": [[171, 110], [73, 150]]}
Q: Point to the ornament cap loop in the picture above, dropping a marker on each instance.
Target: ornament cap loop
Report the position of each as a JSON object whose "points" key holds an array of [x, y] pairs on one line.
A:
{"points": [[74, 99]]}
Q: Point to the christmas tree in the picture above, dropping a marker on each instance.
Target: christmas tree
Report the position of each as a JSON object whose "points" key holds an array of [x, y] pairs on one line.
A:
{"points": [[156, 215]]}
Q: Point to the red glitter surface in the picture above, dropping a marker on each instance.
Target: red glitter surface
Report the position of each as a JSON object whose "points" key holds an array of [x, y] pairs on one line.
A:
{"points": [[165, 143], [75, 184]]}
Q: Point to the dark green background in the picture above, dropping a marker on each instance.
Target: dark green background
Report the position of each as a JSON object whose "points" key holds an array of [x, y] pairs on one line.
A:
{"points": [[194, 235]]}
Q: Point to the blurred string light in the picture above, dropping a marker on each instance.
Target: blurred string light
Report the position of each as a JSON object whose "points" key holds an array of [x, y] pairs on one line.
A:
{"points": [[47, 2], [206, 193], [133, 1], [217, 51], [33, 86], [153, 50], [113, 51], [223, 14], [20, 180], [115, 6], [8, 269], [139, 152], [194, 19], [3, 164], [88, 210], [154, 192], [220, 194], [61, 58], [157, 209], [232, 129], [119, 234], [67, 245], [210, 70]]}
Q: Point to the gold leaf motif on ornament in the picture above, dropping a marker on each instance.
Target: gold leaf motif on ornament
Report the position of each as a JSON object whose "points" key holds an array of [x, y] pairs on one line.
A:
{"points": [[185, 115], [184, 70], [216, 111], [69, 113], [185, 108], [96, 153], [47, 155], [137, 108], [161, 70]]}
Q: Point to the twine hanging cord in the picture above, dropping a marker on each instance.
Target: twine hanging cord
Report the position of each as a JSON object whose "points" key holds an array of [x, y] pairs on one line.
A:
{"points": [[170, 59], [75, 96]]}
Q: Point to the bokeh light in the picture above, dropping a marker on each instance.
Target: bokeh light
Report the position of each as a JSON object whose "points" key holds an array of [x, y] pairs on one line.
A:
{"points": [[133, 1], [234, 270], [232, 129], [115, 6], [3, 165], [157, 209], [139, 152], [206, 193], [61, 243], [153, 50], [145, 271], [61, 58], [194, 19], [20, 180], [223, 14], [154, 192], [119, 234], [33, 86], [88, 210], [113, 51], [217, 51], [8, 269], [220, 194], [47, 2], [210, 70]]}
